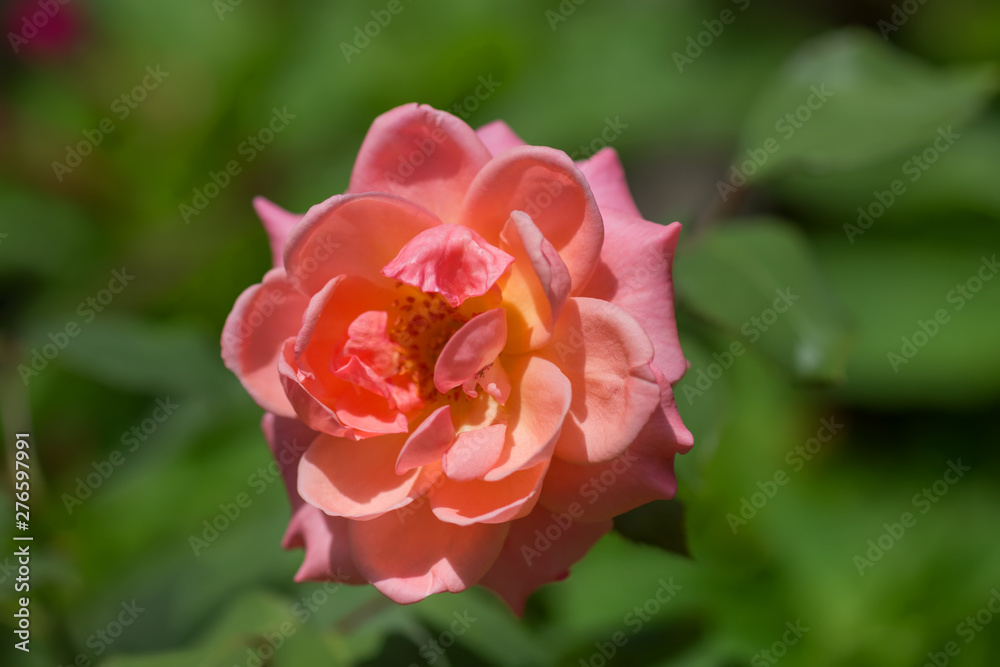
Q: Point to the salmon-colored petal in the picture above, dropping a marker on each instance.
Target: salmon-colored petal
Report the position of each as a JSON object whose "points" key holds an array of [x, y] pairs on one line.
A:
{"points": [[478, 501], [538, 405], [607, 181], [540, 548], [324, 538], [474, 452], [498, 137], [309, 396], [351, 234], [641, 474], [410, 554], [452, 260], [470, 349], [371, 413], [277, 223], [358, 479], [536, 287], [605, 354], [262, 318], [635, 275], [545, 184], [428, 442], [425, 155]]}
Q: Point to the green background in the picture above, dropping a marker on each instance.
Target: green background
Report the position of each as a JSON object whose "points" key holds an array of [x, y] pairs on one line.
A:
{"points": [[692, 114]]}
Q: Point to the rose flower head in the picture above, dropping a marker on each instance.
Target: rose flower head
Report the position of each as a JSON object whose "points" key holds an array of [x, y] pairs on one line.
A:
{"points": [[465, 360]]}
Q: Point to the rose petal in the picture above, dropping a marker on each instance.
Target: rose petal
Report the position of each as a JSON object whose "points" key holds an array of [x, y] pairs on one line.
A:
{"points": [[309, 396], [262, 318], [471, 348], [452, 260], [354, 235], [410, 554], [474, 452], [277, 223], [521, 567], [545, 184], [641, 474], [358, 479], [327, 547], [428, 442], [498, 137], [536, 287], [635, 275], [422, 154], [607, 181], [535, 413], [478, 501], [605, 354]]}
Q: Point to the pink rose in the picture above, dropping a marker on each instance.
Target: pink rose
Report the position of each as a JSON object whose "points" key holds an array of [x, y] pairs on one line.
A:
{"points": [[466, 360]]}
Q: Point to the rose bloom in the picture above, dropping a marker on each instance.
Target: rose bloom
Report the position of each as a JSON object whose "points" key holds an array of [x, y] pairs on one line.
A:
{"points": [[466, 360]]}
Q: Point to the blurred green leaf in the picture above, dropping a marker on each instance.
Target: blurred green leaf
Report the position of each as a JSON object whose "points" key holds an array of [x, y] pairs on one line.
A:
{"points": [[659, 524], [848, 99], [757, 279]]}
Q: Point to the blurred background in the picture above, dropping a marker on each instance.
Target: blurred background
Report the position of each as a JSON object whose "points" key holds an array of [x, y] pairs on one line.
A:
{"points": [[835, 166]]}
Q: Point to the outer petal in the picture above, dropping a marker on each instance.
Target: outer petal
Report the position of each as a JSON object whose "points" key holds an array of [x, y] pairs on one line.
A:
{"points": [[605, 354], [354, 235], [277, 223], [425, 155], [641, 474], [545, 184], [498, 137], [262, 318], [477, 501], [607, 181], [409, 554], [328, 550], [452, 260], [537, 286], [472, 347], [535, 415], [309, 396], [358, 479], [523, 566], [635, 275]]}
